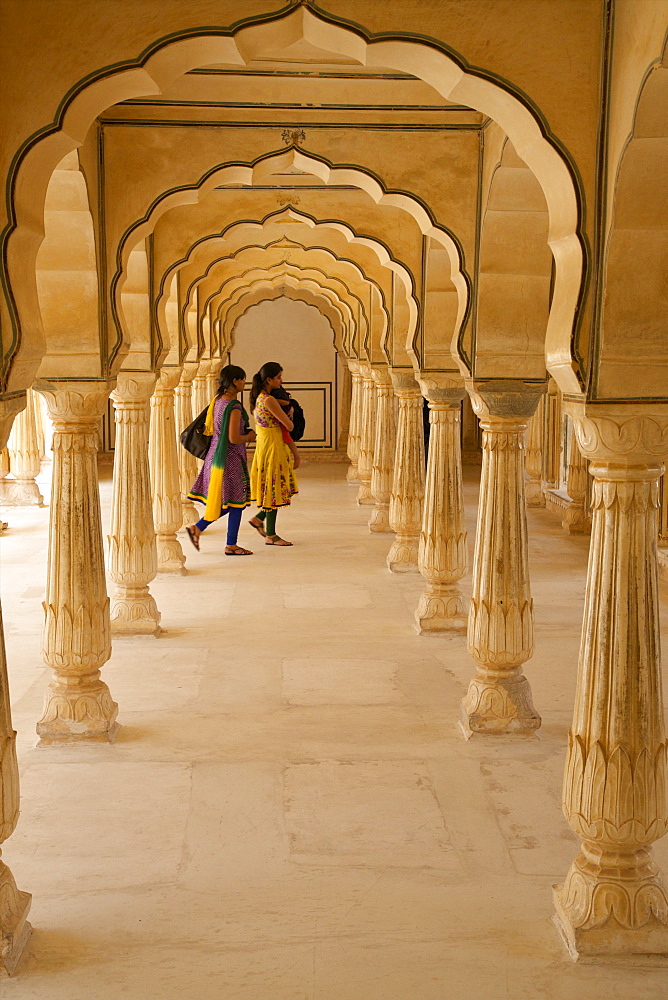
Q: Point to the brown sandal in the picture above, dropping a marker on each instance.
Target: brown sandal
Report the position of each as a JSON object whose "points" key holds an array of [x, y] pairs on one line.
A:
{"points": [[194, 538], [278, 541], [239, 551], [259, 527]]}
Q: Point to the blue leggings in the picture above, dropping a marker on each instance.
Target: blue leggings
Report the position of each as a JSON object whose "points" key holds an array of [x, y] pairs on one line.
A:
{"points": [[233, 522]]}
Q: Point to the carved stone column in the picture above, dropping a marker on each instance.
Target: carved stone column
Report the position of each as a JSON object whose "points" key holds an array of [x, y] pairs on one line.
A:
{"points": [[615, 899], [76, 640], [25, 458], [576, 519], [201, 396], [552, 421], [385, 445], [500, 626], [14, 904], [344, 405], [367, 435], [407, 494], [354, 427], [442, 555], [533, 486], [187, 463], [133, 560], [163, 463], [212, 379]]}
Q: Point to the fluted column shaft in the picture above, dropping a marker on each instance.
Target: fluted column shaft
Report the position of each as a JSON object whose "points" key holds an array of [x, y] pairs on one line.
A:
{"points": [[14, 904], [25, 457], [442, 555], [213, 377], [407, 495], [533, 486], [615, 899], [367, 435], [76, 640], [201, 397], [133, 560], [354, 425], [183, 410], [500, 625], [576, 520], [163, 463], [382, 469]]}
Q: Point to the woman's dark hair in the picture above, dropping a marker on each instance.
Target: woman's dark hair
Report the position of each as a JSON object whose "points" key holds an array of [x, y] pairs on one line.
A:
{"points": [[228, 375], [269, 370]]}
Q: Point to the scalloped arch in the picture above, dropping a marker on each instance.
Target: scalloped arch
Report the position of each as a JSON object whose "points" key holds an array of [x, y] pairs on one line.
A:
{"points": [[425, 60]]}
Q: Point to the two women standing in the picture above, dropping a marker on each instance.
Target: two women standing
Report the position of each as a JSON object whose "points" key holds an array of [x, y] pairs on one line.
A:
{"points": [[223, 483]]}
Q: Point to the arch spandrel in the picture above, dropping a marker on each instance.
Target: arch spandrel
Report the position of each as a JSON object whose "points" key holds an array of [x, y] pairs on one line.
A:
{"points": [[515, 268], [631, 361], [67, 279]]}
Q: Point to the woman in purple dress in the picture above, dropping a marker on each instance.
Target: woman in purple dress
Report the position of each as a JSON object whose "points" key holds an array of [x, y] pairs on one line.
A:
{"points": [[223, 484]]}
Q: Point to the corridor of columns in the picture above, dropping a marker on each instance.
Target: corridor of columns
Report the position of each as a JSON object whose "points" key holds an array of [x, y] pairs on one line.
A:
{"points": [[431, 733], [289, 809]]}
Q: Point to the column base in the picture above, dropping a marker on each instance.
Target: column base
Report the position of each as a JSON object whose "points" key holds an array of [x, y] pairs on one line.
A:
{"points": [[190, 513], [170, 555], [364, 495], [533, 492], [440, 609], [14, 927], [134, 612], [575, 521], [498, 707], [603, 914], [380, 518], [352, 475], [20, 493], [77, 712], [403, 555]]}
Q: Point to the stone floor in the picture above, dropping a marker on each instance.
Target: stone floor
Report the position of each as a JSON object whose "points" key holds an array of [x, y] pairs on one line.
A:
{"points": [[290, 812]]}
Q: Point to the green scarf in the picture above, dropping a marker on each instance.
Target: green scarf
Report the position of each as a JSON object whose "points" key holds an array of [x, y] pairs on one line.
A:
{"points": [[214, 499]]}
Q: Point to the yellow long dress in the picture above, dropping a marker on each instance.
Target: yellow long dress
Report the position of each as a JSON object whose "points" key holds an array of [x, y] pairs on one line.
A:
{"points": [[273, 480]]}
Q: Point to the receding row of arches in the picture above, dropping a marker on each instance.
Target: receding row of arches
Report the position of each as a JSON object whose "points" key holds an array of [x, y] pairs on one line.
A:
{"points": [[148, 220]]}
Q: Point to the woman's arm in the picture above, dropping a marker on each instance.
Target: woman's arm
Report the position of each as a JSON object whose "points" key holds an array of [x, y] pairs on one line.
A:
{"points": [[276, 410], [235, 430]]}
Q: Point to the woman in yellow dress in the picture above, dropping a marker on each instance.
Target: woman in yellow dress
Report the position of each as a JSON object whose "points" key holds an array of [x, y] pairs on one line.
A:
{"points": [[273, 481]]}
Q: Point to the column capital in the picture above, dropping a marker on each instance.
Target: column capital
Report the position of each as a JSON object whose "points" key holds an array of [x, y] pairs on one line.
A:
{"points": [[510, 398], [442, 388], [189, 370], [626, 437], [75, 402], [134, 387], [168, 378], [381, 376], [9, 407], [404, 382], [353, 365]]}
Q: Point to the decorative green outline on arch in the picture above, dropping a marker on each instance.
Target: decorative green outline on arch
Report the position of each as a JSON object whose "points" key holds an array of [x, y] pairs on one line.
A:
{"points": [[213, 30], [112, 304]]}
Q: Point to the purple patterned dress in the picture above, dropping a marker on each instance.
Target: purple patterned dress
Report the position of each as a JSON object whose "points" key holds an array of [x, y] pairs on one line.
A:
{"points": [[236, 487]]}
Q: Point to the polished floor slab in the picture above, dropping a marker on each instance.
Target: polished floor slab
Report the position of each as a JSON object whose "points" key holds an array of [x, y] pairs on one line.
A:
{"points": [[289, 811]]}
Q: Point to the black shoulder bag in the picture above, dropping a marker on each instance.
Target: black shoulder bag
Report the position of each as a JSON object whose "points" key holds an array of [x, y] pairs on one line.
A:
{"points": [[193, 437]]}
